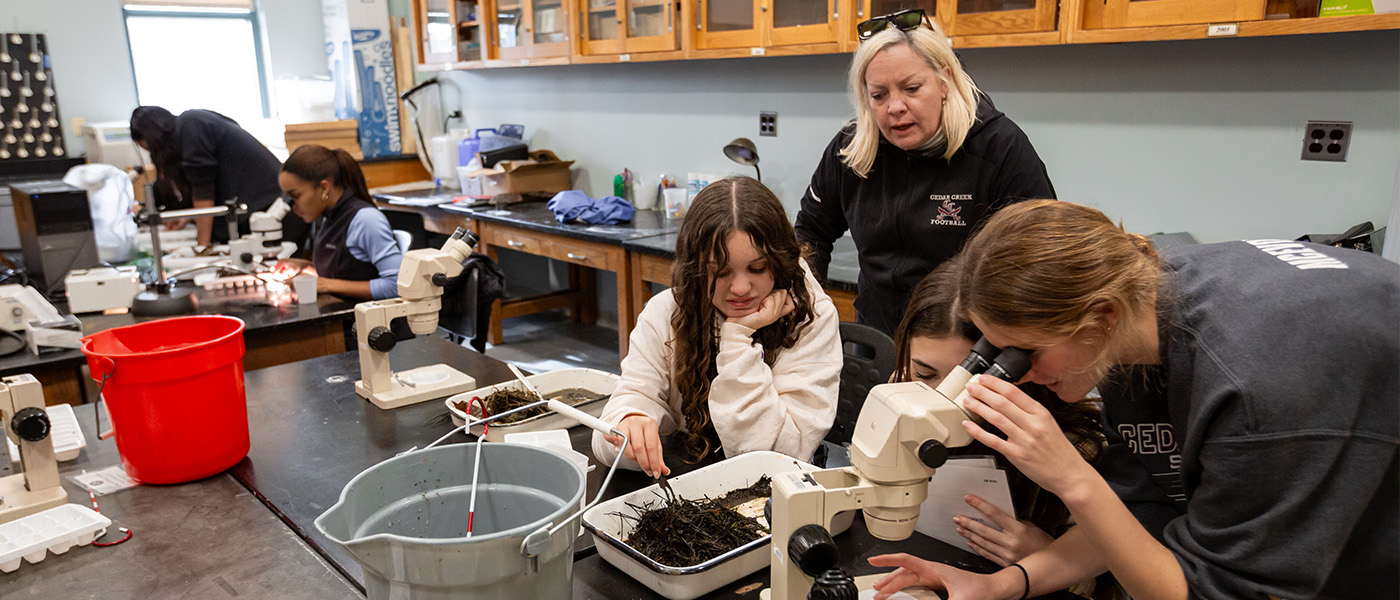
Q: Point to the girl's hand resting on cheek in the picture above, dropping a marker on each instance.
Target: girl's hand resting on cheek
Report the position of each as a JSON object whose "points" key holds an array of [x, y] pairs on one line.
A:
{"points": [[776, 305]]}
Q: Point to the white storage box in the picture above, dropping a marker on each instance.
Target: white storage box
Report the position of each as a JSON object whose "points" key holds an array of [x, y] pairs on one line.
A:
{"points": [[68, 438], [592, 380], [685, 583], [54, 530], [101, 288]]}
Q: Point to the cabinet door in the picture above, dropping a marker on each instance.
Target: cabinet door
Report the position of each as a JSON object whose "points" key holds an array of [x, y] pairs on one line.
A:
{"points": [[1104, 14], [548, 28], [511, 39], [601, 27], [651, 25], [438, 42], [868, 9], [992, 17], [727, 24], [471, 32], [801, 21]]}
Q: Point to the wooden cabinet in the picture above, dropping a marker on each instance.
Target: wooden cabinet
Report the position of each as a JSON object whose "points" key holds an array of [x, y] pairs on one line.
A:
{"points": [[526, 30], [997, 17], [627, 26], [435, 20], [760, 24], [451, 32], [1106, 14]]}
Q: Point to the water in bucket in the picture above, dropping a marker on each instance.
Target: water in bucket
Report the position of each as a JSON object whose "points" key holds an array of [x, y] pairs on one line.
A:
{"points": [[405, 521]]}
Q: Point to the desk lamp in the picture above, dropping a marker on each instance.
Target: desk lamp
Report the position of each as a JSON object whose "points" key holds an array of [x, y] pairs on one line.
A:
{"points": [[742, 151], [903, 433]]}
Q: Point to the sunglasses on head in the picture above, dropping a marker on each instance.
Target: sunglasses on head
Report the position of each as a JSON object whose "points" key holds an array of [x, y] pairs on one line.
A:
{"points": [[903, 20]]}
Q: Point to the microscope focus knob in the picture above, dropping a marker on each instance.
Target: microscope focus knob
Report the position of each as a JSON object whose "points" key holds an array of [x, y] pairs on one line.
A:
{"points": [[811, 548], [246, 257], [834, 584], [382, 339], [31, 424], [933, 453]]}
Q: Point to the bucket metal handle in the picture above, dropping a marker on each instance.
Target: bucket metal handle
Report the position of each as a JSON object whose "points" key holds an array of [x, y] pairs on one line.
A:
{"points": [[538, 541]]}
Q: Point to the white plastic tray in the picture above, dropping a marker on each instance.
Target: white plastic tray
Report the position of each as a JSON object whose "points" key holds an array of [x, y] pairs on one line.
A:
{"points": [[593, 380], [54, 530], [68, 438], [713, 481]]}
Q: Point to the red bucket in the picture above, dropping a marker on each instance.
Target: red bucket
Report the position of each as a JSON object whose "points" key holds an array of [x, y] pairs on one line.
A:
{"points": [[175, 392]]}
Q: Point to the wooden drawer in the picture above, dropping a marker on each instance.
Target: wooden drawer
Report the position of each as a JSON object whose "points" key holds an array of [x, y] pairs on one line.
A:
{"points": [[588, 254], [515, 239], [654, 269]]}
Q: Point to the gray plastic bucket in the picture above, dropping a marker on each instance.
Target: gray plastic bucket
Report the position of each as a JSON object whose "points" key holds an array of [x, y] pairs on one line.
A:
{"points": [[405, 521]]}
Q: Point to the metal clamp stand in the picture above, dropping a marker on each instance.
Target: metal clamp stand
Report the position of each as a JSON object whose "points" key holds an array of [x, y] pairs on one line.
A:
{"points": [[161, 298]]}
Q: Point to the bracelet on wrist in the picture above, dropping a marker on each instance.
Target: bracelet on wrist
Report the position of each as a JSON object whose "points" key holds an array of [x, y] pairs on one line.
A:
{"points": [[1025, 577]]}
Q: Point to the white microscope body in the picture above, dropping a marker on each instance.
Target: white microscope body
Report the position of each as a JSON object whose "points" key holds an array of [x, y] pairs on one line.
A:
{"points": [[25, 421], [902, 434], [264, 239], [422, 276]]}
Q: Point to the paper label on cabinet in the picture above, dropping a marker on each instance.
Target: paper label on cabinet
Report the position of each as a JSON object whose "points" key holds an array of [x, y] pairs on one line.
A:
{"points": [[624, 58], [1224, 29], [757, 51]]}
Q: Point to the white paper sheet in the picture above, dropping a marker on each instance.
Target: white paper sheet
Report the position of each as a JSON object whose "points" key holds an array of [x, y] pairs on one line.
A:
{"points": [[946, 490]]}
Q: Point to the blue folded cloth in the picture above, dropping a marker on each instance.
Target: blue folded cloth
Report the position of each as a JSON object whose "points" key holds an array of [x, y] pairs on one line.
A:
{"points": [[574, 206]]}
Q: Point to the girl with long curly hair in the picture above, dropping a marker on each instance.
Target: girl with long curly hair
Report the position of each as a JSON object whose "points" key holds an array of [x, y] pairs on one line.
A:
{"points": [[742, 353]]}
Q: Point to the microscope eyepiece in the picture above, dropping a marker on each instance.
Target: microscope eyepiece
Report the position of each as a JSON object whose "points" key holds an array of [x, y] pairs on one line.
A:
{"points": [[1011, 365], [981, 356]]}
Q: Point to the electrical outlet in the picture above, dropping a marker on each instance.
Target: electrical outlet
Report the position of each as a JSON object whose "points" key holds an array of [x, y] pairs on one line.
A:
{"points": [[768, 124], [1326, 140]]}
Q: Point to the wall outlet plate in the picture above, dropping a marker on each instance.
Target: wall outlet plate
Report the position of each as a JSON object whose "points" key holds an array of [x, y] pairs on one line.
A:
{"points": [[1326, 140], [768, 124]]}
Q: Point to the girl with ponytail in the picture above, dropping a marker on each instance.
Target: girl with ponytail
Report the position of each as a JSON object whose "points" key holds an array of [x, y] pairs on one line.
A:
{"points": [[353, 249], [1249, 393]]}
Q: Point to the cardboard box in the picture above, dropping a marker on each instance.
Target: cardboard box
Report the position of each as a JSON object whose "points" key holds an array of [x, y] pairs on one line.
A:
{"points": [[544, 172]]}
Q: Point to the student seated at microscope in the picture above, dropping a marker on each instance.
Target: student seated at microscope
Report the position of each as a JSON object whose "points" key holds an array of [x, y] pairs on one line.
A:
{"points": [[742, 354], [353, 249]]}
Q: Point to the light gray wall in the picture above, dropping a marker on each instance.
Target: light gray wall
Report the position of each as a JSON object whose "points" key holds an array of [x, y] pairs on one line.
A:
{"points": [[92, 62], [1201, 136]]}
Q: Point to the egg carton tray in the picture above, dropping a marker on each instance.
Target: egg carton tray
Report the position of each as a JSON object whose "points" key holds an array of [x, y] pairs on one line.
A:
{"points": [[55, 530], [68, 438]]}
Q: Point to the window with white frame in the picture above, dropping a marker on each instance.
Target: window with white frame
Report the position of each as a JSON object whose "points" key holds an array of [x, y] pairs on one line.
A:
{"points": [[197, 54]]}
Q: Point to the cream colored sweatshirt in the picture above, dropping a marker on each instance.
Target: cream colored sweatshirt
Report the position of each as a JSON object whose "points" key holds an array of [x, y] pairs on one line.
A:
{"points": [[787, 408]]}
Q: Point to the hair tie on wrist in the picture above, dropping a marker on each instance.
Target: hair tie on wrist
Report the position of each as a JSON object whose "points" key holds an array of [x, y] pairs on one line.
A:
{"points": [[1025, 577]]}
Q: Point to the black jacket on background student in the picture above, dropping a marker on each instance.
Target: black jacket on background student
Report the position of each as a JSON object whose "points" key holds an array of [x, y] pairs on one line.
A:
{"points": [[915, 209]]}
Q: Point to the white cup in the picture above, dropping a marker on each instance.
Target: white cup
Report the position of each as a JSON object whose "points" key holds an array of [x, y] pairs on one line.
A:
{"points": [[305, 286], [645, 193], [675, 202]]}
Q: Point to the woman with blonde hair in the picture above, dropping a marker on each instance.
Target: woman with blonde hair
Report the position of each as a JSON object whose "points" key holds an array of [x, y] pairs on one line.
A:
{"points": [[741, 354], [1249, 393], [926, 159]]}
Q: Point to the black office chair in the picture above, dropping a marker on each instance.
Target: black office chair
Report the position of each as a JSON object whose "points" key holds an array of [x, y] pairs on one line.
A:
{"points": [[869, 361]]}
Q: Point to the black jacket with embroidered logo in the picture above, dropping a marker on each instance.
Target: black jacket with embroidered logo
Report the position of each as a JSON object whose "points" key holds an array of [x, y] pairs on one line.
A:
{"points": [[914, 210]]}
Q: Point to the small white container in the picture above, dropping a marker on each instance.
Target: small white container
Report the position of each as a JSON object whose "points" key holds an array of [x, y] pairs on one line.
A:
{"points": [[593, 380], [684, 583], [68, 440], [305, 286], [54, 530], [644, 194]]}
